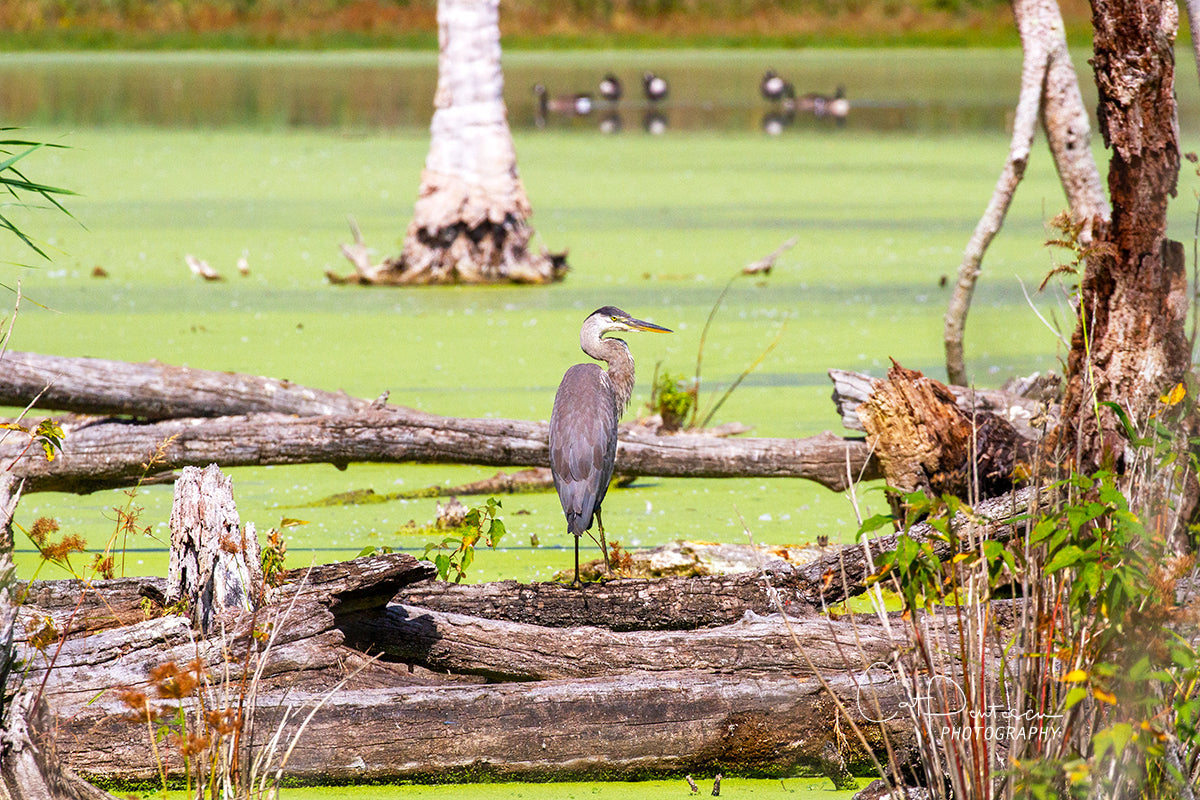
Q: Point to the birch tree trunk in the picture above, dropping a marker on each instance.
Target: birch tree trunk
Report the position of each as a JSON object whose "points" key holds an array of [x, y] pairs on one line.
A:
{"points": [[1049, 91], [469, 224], [1129, 344]]}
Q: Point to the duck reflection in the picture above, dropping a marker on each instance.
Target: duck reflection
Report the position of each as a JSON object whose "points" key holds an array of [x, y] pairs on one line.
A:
{"points": [[610, 122], [654, 122], [776, 121]]}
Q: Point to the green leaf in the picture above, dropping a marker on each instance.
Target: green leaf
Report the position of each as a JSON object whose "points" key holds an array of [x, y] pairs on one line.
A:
{"points": [[875, 522], [1114, 739], [1077, 694], [496, 533], [1067, 556]]}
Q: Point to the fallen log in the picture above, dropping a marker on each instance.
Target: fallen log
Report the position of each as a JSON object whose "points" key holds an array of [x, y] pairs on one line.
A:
{"points": [[1029, 404], [151, 390], [685, 713], [103, 453], [681, 603], [628, 604], [628, 726]]}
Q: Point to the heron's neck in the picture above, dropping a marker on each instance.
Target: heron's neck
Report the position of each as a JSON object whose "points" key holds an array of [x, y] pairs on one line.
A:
{"points": [[620, 365]]}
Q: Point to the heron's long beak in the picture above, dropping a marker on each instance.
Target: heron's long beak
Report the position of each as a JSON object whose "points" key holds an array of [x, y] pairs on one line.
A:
{"points": [[642, 325]]}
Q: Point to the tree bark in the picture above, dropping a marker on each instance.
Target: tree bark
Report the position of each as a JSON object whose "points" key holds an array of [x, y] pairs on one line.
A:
{"points": [[470, 220], [1049, 89], [925, 442], [216, 564], [1129, 345]]}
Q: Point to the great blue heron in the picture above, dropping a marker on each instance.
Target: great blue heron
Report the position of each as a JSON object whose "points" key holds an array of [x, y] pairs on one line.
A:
{"points": [[583, 425]]}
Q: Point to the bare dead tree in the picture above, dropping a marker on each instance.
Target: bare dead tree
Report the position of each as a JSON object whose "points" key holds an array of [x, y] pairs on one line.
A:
{"points": [[469, 224], [1049, 91]]}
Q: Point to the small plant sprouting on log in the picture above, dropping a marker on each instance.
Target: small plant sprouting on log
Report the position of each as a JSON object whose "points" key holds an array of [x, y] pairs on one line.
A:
{"points": [[274, 555], [672, 398], [620, 561], [456, 552]]}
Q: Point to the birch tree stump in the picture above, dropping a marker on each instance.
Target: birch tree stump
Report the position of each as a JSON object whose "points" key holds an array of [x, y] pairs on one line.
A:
{"points": [[469, 224], [215, 564]]}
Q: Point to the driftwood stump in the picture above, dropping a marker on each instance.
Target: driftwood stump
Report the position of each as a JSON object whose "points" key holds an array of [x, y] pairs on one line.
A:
{"points": [[926, 442], [215, 564]]}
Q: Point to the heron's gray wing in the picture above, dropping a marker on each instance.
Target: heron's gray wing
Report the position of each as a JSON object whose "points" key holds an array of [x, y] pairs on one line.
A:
{"points": [[583, 443]]}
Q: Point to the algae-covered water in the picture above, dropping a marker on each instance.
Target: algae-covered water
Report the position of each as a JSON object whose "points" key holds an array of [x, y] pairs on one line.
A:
{"points": [[654, 224]]}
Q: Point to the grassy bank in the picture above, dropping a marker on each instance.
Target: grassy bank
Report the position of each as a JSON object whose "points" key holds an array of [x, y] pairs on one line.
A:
{"points": [[527, 24]]}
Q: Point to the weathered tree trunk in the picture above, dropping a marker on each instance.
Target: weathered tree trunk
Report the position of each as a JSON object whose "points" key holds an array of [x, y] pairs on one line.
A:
{"points": [[1129, 344], [215, 564], [1049, 88], [470, 220], [925, 442], [1029, 405]]}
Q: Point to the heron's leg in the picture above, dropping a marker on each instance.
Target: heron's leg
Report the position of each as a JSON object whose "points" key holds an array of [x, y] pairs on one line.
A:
{"points": [[577, 582], [603, 544]]}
